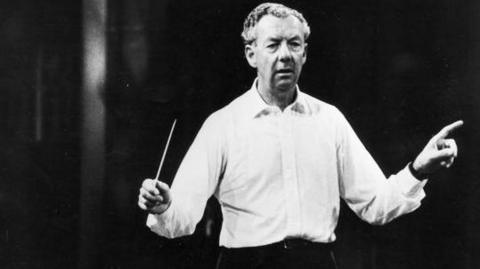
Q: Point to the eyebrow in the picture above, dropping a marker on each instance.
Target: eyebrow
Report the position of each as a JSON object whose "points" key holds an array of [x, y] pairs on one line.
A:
{"points": [[276, 39]]}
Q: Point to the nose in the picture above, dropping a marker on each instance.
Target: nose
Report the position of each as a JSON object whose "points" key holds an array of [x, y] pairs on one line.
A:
{"points": [[284, 53]]}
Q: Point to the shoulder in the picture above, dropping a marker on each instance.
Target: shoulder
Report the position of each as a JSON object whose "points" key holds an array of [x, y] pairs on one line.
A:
{"points": [[326, 112], [315, 105], [233, 111], [223, 117]]}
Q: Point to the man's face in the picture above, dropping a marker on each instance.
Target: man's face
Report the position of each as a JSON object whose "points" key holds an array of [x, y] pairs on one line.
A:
{"points": [[278, 53]]}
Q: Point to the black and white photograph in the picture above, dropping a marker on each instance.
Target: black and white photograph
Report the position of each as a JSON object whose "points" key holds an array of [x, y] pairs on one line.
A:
{"points": [[240, 134]]}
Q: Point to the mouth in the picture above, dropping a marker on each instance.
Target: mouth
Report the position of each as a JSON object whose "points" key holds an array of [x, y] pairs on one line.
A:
{"points": [[285, 71]]}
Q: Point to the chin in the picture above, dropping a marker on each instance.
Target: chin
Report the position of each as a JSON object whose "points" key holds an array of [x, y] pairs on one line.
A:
{"points": [[285, 86]]}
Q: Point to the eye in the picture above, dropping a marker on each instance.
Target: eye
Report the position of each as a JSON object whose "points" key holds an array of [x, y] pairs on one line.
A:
{"points": [[295, 45], [272, 45]]}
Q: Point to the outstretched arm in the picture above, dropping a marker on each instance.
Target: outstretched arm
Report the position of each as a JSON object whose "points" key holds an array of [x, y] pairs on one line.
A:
{"points": [[365, 188]]}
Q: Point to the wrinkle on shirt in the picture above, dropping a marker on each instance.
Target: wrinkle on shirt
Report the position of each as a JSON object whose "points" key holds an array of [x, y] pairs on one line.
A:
{"points": [[284, 173]]}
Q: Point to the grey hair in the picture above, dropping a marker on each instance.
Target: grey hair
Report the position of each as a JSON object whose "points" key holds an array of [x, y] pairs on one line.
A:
{"points": [[277, 10]]}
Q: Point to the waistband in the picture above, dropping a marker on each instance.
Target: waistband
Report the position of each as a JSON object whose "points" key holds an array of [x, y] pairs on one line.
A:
{"points": [[290, 244], [297, 243]]}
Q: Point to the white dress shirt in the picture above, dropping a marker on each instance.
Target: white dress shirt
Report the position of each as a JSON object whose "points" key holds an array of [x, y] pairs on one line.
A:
{"points": [[280, 174]]}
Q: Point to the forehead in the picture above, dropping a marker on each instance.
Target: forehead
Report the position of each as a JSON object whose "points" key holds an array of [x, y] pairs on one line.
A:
{"points": [[270, 26]]}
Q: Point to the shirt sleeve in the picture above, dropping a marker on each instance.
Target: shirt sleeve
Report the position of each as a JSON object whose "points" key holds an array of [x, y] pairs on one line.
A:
{"points": [[194, 183], [364, 187]]}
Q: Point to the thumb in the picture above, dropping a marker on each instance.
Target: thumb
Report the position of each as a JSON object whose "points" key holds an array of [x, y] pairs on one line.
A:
{"points": [[444, 154], [164, 190]]}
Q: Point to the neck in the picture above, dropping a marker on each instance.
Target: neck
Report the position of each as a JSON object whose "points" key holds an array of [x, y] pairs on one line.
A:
{"points": [[280, 98]]}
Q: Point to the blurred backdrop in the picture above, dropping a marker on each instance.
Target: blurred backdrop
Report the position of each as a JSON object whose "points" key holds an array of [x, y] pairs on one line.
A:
{"points": [[89, 90]]}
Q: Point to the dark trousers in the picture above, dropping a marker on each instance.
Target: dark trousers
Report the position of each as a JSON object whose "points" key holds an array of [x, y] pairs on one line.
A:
{"points": [[287, 254]]}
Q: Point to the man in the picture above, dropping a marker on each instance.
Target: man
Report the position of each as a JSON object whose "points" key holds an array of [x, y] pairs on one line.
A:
{"points": [[278, 160]]}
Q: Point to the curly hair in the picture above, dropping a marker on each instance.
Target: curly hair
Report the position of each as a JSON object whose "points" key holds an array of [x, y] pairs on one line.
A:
{"points": [[277, 10]]}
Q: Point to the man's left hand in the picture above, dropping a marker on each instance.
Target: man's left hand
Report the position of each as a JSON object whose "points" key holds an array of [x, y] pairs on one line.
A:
{"points": [[439, 152]]}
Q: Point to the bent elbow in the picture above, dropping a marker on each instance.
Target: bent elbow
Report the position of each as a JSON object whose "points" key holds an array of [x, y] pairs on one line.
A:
{"points": [[173, 232], [379, 217], [378, 221]]}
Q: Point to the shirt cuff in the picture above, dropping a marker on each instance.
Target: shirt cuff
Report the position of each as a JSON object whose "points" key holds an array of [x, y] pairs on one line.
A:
{"points": [[157, 222], [409, 184]]}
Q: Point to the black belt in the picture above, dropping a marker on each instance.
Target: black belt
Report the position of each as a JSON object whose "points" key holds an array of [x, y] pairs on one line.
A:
{"points": [[297, 243], [289, 243], [282, 254]]}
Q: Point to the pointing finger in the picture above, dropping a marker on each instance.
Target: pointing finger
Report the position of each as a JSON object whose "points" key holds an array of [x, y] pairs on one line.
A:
{"points": [[448, 129]]}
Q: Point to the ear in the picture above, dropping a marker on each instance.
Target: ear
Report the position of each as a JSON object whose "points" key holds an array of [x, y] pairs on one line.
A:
{"points": [[250, 55], [304, 56]]}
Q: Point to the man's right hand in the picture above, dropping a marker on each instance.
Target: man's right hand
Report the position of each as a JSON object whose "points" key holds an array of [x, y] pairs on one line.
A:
{"points": [[154, 196]]}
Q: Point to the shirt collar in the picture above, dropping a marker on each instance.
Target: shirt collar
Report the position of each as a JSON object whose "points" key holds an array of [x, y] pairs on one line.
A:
{"points": [[256, 106]]}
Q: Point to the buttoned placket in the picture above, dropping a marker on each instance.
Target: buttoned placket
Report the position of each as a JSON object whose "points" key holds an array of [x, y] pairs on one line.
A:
{"points": [[289, 173]]}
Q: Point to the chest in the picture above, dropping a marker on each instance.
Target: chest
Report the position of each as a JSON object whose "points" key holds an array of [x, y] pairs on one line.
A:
{"points": [[268, 150]]}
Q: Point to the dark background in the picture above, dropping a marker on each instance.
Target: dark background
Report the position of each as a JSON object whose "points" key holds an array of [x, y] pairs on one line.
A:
{"points": [[398, 70]]}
